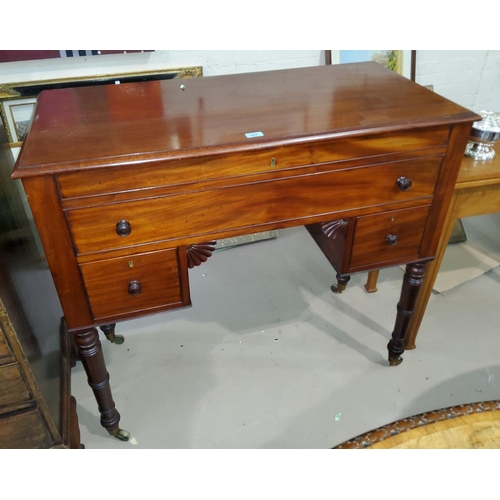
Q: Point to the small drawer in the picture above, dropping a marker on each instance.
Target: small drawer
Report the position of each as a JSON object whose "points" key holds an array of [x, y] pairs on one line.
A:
{"points": [[388, 237], [22, 431], [13, 388], [147, 282], [5, 354]]}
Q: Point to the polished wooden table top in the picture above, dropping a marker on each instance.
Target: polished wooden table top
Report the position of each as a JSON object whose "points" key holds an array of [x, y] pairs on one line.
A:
{"points": [[177, 119], [478, 173]]}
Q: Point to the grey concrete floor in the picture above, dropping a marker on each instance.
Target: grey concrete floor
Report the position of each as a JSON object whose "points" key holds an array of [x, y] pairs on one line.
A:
{"points": [[269, 357]]}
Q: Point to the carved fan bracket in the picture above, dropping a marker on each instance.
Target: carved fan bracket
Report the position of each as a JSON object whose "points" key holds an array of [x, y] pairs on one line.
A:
{"points": [[199, 253], [333, 228]]}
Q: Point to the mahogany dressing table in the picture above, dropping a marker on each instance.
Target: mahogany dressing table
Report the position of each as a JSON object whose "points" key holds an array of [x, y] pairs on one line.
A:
{"points": [[131, 184]]}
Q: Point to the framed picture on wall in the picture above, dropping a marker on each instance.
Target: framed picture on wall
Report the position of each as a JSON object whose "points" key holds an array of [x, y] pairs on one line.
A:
{"points": [[16, 114], [35, 55], [397, 60]]}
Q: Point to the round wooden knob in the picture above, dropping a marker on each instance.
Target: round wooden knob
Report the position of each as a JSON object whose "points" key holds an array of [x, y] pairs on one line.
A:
{"points": [[404, 184], [123, 228], [392, 239], [134, 288]]}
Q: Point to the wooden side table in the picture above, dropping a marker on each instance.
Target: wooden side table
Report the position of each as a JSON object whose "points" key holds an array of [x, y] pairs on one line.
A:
{"points": [[477, 192]]}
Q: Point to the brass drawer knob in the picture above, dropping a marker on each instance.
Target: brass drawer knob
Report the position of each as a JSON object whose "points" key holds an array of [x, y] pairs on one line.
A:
{"points": [[392, 239], [123, 228], [134, 288], [404, 184]]}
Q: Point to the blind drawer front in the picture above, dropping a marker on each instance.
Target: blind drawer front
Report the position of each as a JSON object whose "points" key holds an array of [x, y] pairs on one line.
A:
{"points": [[118, 179]]}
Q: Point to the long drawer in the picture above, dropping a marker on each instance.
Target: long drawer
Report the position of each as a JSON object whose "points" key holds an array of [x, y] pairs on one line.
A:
{"points": [[294, 198]]}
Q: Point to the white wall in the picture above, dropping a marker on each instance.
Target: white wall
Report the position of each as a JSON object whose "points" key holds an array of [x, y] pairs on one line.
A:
{"points": [[469, 77], [214, 62]]}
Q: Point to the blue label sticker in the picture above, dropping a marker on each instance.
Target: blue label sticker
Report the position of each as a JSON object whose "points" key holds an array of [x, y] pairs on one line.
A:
{"points": [[254, 134]]}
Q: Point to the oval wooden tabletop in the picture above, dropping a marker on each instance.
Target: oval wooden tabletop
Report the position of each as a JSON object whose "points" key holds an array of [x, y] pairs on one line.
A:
{"points": [[473, 426], [479, 430]]}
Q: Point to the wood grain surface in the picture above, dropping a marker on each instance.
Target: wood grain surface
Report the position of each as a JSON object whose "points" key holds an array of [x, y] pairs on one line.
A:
{"points": [[479, 430]]}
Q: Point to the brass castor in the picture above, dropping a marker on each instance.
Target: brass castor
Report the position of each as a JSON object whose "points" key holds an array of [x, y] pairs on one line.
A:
{"points": [[338, 287], [117, 339], [120, 434], [109, 331], [395, 361]]}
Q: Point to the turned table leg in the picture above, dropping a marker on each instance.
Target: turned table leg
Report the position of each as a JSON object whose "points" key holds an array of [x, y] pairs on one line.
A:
{"points": [[412, 282], [89, 348]]}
